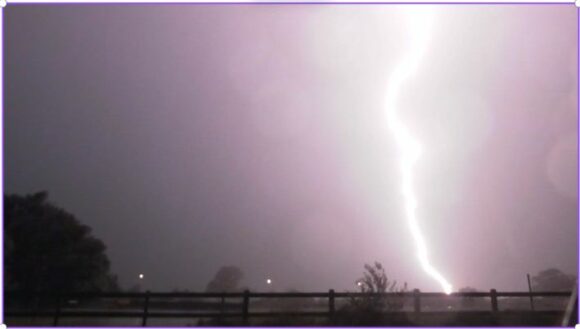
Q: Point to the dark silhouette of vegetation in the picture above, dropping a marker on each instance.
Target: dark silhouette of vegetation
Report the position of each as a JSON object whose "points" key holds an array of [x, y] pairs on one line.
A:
{"points": [[48, 250], [368, 310], [553, 279], [227, 279]]}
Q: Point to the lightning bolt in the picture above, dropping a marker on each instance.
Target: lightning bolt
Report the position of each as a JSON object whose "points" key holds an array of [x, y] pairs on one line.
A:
{"points": [[419, 20]]}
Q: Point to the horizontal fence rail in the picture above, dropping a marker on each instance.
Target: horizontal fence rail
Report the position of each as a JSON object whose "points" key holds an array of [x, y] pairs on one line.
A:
{"points": [[58, 306]]}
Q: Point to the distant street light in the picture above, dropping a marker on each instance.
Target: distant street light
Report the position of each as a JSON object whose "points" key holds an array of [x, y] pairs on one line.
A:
{"points": [[141, 276], [268, 281]]}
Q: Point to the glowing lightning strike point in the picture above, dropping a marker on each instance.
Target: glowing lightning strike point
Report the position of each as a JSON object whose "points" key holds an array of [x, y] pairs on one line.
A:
{"points": [[419, 23]]}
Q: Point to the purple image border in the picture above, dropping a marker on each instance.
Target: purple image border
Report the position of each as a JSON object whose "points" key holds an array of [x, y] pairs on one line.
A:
{"points": [[292, 3], [262, 3]]}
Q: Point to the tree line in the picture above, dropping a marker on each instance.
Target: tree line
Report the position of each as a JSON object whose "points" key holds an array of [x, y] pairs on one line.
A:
{"points": [[47, 249]]}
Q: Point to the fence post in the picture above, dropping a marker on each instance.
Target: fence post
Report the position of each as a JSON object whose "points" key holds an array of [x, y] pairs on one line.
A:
{"points": [[331, 306], [493, 294], [57, 310], [531, 297], [417, 300], [145, 309], [246, 307]]}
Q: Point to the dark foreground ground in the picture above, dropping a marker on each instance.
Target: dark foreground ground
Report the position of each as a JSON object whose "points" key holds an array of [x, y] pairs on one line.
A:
{"points": [[428, 319]]}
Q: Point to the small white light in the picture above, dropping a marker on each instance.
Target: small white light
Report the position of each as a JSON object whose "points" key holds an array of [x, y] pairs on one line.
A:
{"points": [[359, 283], [141, 276], [268, 281]]}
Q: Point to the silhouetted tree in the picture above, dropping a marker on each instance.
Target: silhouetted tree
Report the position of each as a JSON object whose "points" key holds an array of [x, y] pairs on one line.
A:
{"points": [[553, 280], [375, 280], [47, 249], [227, 279], [367, 310]]}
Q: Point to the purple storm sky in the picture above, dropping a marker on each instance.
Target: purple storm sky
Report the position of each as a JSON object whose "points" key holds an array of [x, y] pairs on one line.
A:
{"points": [[195, 136]]}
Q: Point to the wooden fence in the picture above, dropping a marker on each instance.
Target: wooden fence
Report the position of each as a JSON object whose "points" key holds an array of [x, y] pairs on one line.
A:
{"points": [[58, 305]]}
